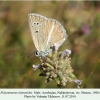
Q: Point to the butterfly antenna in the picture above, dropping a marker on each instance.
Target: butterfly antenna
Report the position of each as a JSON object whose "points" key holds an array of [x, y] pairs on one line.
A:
{"points": [[31, 54], [23, 55]]}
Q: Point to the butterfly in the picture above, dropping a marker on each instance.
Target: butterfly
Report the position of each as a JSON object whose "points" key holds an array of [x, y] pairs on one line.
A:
{"points": [[46, 32]]}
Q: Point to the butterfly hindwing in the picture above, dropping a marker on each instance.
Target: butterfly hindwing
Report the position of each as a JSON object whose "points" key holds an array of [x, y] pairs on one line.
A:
{"points": [[54, 33]]}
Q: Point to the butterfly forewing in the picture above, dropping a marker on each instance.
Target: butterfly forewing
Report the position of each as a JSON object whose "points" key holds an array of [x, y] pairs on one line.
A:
{"points": [[35, 22]]}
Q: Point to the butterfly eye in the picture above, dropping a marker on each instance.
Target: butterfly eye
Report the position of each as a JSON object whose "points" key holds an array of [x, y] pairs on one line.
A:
{"points": [[37, 53]]}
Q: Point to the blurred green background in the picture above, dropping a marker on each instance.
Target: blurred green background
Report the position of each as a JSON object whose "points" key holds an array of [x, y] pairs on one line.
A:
{"points": [[81, 19]]}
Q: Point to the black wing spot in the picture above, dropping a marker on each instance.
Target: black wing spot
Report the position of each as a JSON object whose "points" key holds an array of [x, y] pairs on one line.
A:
{"points": [[36, 31], [34, 23], [37, 23]]}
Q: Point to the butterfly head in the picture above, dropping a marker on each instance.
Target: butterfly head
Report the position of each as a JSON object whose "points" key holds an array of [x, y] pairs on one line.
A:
{"points": [[43, 53]]}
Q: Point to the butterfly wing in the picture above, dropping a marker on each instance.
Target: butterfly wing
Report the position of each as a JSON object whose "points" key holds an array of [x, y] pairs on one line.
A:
{"points": [[35, 23], [54, 33], [59, 34]]}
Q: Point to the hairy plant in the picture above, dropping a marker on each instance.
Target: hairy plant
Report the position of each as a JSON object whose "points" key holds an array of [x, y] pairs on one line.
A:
{"points": [[57, 66]]}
